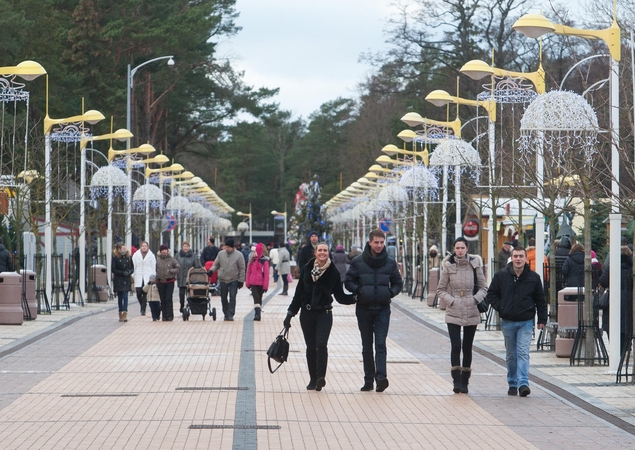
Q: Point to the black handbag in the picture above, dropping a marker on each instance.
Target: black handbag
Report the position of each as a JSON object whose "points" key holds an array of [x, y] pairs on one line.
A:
{"points": [[278, 350], [602, 301]]}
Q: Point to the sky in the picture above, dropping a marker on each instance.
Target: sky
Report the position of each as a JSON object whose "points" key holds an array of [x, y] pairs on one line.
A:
{"points": [[308, 49]]}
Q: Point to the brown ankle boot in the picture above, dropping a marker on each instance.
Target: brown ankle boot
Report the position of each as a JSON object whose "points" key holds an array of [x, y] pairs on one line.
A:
{"points": [[125, 316], [120, 316]]}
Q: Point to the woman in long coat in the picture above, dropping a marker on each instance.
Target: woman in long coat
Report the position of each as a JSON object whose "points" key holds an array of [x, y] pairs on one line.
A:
{"points": [[122, 268], [284, 267], [145, 264], [319, 281], [462, 286]]}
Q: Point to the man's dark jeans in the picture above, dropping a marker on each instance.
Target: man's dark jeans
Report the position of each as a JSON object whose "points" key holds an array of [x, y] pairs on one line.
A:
{"points": [[229, 306], [373, 322]]}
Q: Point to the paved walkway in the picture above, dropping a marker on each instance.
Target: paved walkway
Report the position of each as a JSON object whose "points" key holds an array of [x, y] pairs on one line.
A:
{"points": [[87, 381]]}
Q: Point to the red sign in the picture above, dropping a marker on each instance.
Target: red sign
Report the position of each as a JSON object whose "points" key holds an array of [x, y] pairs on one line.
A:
{"points": [[470, 228]]}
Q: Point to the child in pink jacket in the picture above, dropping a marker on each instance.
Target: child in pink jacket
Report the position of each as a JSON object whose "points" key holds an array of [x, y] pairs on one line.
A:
{"points": [[258, 278]]}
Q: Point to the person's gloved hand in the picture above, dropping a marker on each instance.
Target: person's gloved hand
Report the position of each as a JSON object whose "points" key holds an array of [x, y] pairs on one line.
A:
{"points": [[287, 321], [240, 284], [264, 291]]}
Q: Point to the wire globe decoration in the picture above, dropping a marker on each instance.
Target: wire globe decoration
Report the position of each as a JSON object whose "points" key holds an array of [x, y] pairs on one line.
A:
{"points": [[108, 177], [179, 203], [149, 192], [455, 152]]}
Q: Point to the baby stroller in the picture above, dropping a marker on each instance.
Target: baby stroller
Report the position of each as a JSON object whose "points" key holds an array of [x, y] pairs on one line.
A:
{"points": [[197, 294], [213, 279]]}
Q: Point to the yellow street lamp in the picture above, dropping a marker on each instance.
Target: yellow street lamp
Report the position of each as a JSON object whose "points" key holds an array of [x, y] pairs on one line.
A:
{"points": [[440, 97], [534, 26], [477, 69], [413, 119]]}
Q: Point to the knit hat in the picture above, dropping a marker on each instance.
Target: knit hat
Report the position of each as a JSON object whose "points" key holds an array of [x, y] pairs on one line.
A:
{"points": [[259, 250], [163, 247], [593, 255], [339, 247], [229, 242]]}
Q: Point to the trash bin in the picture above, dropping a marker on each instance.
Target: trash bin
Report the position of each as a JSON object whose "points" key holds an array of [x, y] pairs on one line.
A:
{"points": [[433, 282], [99, 285], [11, 299], [29, 282]]}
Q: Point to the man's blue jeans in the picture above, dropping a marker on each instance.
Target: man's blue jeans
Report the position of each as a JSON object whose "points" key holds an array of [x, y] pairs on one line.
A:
{"points": [[229, 307], [373, 321], [517, 343]]}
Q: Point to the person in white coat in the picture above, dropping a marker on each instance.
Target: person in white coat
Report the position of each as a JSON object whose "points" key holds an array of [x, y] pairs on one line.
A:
{"points": [[144, 267]]}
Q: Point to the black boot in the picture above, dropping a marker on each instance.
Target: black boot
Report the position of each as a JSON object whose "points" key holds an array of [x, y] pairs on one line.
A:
{"points": [[465, 378], [456, 378], [322, 361], [257, 314], [311, 362]]}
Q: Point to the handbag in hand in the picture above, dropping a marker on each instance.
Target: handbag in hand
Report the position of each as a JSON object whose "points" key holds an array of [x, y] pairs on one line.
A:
{"points": [[602, 300], [278, 350]]}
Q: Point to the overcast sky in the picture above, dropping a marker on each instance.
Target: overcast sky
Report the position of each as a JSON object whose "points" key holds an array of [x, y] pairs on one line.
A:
{"points": [[309, 49]]}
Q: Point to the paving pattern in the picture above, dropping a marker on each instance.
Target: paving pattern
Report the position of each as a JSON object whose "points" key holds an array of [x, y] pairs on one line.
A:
{"points": [[99, 384]]}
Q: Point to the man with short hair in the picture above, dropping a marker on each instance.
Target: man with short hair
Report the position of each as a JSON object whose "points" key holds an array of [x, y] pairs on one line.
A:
{"points": [[504, 254], [210, 252], [307, 252], [516, 292], [230, 265], [374, 278]]}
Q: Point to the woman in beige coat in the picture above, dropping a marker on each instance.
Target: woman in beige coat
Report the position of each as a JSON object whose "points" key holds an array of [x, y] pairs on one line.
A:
{"points": [[461, 287]]}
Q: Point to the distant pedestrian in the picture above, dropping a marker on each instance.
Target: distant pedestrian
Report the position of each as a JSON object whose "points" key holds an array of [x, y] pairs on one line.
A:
{"points": [[187, 260], [153, 297], [461, 286], [341, 261], [374, 278], [145, 264], [434, 260], [284, 267], [391, 248], [318, 282], [504, 254], [257, 279], [273, 258], [230, 266], [246, 252], [517, 294], [306, 253], [210, 252], [167, 270], [573, 267], [122, 268], [6, 264]]}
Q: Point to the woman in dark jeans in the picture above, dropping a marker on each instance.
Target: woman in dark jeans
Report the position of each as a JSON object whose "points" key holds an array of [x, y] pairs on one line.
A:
{"points": [[456, 288], [167, 270], [319, 281], [122, 268]]}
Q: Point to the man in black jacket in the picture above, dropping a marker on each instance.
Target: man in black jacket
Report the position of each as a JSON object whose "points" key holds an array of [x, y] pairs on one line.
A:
{"points": [[516, 292], [308, 251], [210, 252], [374, 278], [6, 263]]}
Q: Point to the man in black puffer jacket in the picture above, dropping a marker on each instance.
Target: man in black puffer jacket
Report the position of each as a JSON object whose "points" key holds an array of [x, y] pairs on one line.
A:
{"points": [[6, 263], [375, 279], [516, 292]]}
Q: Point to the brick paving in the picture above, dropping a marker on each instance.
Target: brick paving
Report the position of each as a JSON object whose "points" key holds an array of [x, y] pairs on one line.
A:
{"points": [[82, 380]]}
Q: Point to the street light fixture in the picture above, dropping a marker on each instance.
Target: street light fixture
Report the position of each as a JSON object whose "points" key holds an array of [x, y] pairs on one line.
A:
{"points": [[283, 214], [248, 215], [477, 69], [536, 25]]}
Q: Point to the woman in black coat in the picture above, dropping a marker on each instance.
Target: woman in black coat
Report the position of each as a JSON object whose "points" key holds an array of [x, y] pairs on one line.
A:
{"points": [[573, 267], [626, 297], [122, 268], [319, 281]]}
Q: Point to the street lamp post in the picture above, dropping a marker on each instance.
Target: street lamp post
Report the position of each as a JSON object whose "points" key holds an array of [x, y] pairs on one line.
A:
{"points": [[129, 86], [536, 25], [250, 220], [283, 214]]}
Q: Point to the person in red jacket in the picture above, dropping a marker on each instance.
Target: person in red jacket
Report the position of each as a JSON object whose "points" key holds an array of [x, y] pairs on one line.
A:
{"points": [[257, 279]]}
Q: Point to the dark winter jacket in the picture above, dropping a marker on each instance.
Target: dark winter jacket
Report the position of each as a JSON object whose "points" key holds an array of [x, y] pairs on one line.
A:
{"points": [[518, 298], [564, 247], [318, 295], [626, 293], [503, 257], [122, 268], [374, 280], [187, 260], [167, 268], [209, 253], [573, 270], [305, 254], [340, 259], [6, 264]]}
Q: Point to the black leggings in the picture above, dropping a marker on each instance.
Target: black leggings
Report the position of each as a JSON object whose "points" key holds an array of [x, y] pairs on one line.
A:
{"points": [[455, 340]]}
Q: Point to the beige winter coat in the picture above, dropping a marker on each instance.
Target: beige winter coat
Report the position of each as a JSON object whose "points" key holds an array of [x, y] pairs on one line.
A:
{"points": [[152, 291], [456, 286]]}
